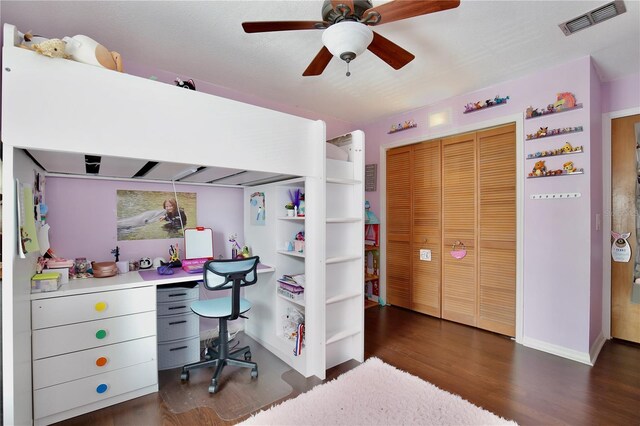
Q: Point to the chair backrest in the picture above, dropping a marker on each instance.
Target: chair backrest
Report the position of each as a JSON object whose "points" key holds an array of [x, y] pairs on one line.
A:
{"points": [[225, 274]]}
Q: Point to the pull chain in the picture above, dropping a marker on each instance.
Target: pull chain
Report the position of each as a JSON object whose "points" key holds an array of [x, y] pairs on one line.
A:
{"points": [[348, 72]]}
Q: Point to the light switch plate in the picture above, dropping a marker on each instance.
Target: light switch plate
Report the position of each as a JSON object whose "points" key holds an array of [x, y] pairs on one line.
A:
{"points": [[425, 254]]}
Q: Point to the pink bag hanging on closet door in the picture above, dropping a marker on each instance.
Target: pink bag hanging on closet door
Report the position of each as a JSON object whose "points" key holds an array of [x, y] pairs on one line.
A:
{"points": [[458, 250]]}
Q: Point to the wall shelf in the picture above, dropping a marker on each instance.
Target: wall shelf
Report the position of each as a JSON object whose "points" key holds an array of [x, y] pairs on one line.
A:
{"points": [[555, 132], [554, 175], [547, 112], [551, 154], [296, 302], [291, 253], [292, 218]]}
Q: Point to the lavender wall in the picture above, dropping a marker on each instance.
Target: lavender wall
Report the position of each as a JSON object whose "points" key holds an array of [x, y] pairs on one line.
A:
{"points": [[596, 181], [621, 94], [557, 234]]}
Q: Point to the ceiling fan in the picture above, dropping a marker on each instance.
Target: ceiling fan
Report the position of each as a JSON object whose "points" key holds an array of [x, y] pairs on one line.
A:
{"points": [[346, 29]]}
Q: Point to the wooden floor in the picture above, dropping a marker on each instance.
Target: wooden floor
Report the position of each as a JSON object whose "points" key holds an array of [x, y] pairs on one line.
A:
{"points": [[526, 385]]}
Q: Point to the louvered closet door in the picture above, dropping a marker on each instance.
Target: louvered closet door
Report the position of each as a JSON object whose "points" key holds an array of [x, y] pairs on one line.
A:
{"points": [[497, 229], [425, 286], [459, 285], [399, 226]]}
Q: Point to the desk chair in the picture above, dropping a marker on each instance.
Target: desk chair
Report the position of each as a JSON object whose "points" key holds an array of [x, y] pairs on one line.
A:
{"points": [[225, 274]]}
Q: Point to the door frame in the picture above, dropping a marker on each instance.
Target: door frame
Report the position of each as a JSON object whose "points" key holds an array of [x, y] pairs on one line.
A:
{"points": [[518, 119], [607, 118]]}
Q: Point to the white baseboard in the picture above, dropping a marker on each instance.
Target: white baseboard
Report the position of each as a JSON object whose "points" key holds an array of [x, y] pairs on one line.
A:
{"points": [[561, 351], [596, 348]]}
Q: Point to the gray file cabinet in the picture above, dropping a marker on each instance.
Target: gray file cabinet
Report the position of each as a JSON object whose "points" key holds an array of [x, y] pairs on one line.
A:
{"points": [[178, 326]]}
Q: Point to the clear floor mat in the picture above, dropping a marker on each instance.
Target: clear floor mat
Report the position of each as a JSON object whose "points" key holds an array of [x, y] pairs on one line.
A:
{"points": [[238, 394]]}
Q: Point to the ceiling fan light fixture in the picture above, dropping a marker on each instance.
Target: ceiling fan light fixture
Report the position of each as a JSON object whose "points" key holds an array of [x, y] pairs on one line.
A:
{"points": [[347, 39]]}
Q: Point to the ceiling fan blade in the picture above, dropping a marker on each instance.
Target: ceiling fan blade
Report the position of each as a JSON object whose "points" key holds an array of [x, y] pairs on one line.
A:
{"points": [[348, 3], [403, 9], [319, 63], [389, 52], [267, 26]]}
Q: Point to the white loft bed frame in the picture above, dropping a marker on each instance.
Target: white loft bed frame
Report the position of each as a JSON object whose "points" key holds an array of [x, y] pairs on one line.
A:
{"points": [[65, 106]]}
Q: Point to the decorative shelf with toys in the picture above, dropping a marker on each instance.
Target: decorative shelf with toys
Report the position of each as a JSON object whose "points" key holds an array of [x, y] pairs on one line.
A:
{"points": [[480, 105], [402, 126], [540, 170], [544, 132], [565, 102], [566, 149]]}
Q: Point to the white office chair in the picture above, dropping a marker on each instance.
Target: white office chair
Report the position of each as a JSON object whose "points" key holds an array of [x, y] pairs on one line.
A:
{"points": [[225, 274]]}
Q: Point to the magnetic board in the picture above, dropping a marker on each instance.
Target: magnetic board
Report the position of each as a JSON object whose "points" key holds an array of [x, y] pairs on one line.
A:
{"points": [[198, 243]]}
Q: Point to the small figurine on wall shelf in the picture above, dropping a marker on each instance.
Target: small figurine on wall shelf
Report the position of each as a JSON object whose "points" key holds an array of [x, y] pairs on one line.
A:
{"points": [[564, 101], [568, 167], [476, 106], [189, 84], [402, 126]]}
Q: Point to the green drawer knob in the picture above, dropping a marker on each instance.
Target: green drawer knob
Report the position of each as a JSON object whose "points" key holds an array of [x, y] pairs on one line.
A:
{"points": [[101, 334]]}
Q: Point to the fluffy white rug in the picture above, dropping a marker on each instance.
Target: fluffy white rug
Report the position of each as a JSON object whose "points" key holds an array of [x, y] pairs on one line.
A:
{"points": [[375, 393]]}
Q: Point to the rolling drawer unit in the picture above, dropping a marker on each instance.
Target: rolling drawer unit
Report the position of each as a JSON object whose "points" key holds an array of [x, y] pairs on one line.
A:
{"points": [[92, 350], [178, 326]]}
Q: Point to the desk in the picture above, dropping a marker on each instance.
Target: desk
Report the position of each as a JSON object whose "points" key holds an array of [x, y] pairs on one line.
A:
{"points": [[94, 342]]}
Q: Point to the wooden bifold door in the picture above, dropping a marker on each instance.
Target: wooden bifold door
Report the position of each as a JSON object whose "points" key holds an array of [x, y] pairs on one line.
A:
{"points": [[456, 192]]}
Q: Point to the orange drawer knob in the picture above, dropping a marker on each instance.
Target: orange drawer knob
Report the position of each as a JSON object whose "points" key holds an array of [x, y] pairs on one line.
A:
{"points": [[101, 306], [101, 362]]}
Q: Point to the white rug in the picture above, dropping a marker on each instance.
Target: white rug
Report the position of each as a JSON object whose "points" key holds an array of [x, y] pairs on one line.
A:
{"points": [[375, 393]]}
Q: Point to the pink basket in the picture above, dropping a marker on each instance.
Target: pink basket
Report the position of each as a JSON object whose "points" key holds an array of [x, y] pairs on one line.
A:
{"points": [[458, 250]]}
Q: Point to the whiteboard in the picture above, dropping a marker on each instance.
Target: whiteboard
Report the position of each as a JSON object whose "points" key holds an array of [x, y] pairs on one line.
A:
{"points": [[198, 243]]}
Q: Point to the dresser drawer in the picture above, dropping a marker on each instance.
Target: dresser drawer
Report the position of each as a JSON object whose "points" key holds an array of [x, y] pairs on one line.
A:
{"points": [[178, 353], [187, 291], [174, 308], [69, 395], [77, 365], [92, 306], [173, 327], [86, 335]]}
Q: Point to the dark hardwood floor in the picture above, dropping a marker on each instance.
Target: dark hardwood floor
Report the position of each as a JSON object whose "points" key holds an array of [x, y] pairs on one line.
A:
{"points": [[492, 371]]}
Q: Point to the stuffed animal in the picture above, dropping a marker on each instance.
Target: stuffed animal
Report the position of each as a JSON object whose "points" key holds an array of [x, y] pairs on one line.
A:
{"points": [[568, 167], [539, 169], [88, 51], [189, 84], [567, 148], [53, 48]]}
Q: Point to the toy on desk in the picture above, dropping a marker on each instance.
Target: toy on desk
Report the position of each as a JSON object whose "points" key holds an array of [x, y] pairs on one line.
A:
{"points": [[116, 253], [145, 263], [174, 253], [238, 251]]}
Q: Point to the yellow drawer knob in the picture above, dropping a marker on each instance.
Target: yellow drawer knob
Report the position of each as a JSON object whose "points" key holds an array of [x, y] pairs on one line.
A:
{"points": [[101, 306]]}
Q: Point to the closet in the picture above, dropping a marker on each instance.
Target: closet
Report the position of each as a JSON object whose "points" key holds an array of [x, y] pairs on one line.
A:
{"points": [[456, 193]]}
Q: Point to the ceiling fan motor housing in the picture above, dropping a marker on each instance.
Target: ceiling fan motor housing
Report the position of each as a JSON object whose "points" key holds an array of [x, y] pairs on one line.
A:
{"points": [[329, 14]]}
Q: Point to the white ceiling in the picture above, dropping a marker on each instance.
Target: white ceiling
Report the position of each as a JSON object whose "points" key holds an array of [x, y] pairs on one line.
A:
{"points": [[476, 45]]}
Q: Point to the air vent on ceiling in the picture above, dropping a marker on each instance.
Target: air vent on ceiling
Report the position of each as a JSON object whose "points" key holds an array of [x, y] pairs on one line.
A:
{"points": [[596, 16], [92, 164]]}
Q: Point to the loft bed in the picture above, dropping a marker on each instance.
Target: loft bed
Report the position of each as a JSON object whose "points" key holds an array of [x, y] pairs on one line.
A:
{"points": [[57, 108]]}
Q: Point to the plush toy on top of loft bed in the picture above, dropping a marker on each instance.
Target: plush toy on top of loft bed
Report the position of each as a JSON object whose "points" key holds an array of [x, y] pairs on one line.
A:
{"points": [[80, 48]]}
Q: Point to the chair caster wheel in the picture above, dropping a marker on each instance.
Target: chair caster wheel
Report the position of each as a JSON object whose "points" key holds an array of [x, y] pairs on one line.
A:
{"points": [[247, 356], [213, 387], [254, 373], [184, 376]]}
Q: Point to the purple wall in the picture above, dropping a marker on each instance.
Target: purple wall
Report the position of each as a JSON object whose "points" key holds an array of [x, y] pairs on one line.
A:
{"points": [[597, 249], [82, 216], [621, 94]]}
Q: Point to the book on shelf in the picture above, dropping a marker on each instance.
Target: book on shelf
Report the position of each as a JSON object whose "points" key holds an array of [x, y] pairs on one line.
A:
{"points": [[291, 295], [290, 287], [370, 242], [298, 279]]}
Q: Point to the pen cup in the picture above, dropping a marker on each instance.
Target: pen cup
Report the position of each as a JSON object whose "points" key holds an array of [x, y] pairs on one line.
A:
{"points": [[123, 267]]}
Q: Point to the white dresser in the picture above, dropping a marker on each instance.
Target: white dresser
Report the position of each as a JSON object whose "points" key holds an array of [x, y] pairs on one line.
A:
{"points": [[178, 326], [92, 350]]}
